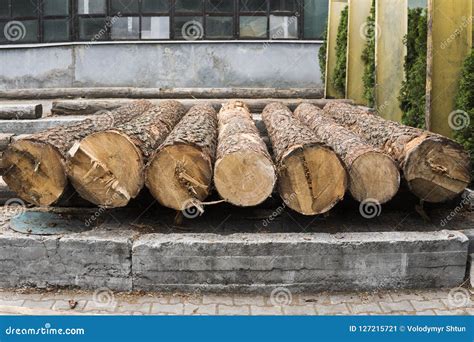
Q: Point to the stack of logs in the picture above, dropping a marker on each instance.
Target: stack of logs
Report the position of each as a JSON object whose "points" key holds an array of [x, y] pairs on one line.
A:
{"points": [[317, 155]]}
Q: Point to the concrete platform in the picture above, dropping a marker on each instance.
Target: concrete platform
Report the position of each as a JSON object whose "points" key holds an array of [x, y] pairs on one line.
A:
{"points": [[127, 252]]}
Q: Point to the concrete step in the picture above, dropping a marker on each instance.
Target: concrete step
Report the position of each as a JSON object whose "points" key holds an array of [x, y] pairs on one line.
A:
{"points": [[125, 259]]}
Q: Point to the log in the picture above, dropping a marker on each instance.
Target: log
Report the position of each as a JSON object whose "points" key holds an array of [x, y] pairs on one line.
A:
{"points": [[92, 106], [162, 93], [244, 174], [95, 165], [179, 173], [373, 175], [436, 168], [36, 165], [21, 111], [311, 177]]}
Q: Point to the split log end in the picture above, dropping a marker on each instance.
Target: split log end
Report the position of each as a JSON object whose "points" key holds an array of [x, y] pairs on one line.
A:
{"points": [[437, 170], [312, 179], [35, 171], [179, 175], [106, 168]]}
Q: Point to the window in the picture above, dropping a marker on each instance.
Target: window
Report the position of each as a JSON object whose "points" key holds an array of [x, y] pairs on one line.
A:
{"points": [[47, 21], [315, 18]]}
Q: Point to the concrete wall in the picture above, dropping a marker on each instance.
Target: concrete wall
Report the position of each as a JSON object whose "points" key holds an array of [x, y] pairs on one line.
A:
{"points": [[236, 64]]}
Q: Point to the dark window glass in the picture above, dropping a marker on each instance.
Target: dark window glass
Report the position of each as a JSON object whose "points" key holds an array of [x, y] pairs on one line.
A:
{"points": [[125, 28], [253, 5], [283, 27], [155, 6], [189, 28], [92, 29], [253, 27], [92, 7], [283, 5], [25, 8], [315, 18], [4, 9], [223, 6], [125, 6], [56, 30], [155, 27], [55, 7], [188, 5], [220, 27]]}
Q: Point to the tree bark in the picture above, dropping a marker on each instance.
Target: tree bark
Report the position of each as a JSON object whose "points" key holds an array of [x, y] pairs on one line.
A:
{"points": [[436, 168], [179, 173], [36, 165], [311, 177], [244, 174], [96, 163], [373, 175], [21, 112]]}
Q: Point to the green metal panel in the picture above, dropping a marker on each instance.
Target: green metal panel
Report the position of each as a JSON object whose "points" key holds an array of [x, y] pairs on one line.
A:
{"points": [[449, 42], [359, 10], [335, 9], [391, 18]]}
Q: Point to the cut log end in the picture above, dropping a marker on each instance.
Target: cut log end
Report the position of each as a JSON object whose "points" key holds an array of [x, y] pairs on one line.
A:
{"points": [[35, 171], [179, 175], [312, 180], [375, 176], [437, 170], [106, 169], [244, 178]]}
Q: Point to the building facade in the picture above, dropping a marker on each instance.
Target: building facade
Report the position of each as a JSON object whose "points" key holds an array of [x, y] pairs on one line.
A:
{"points": [[161, 43]]}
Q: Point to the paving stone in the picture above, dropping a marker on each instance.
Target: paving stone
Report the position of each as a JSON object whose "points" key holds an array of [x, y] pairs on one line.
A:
{"points": [[428, 304], [95, 306], [215, 299], [173, 309], [398, 296], [249, 300], [396, 306], [332, 309], [45, 304], [233, 310], [12, 302], [64, 305], [450, 312], [139, 307], [436, 294], [266, 310], [365, 308], [202, 309], [300, 310], [425, 313], [345, 298]]}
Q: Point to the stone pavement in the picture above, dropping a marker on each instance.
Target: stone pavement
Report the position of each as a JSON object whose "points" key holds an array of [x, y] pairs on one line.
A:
{"points": [[457, 301]]}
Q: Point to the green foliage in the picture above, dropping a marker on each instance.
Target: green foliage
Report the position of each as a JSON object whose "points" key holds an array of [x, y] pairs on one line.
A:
{"points": [[368, 57], [322, 55], [339, 80], [412, 96], [465, 102]]}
